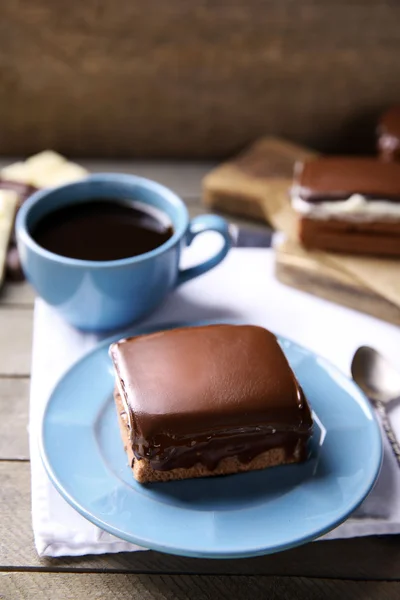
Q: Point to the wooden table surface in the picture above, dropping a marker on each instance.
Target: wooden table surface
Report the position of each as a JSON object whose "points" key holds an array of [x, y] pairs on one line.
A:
{"points": [[359, 568]]}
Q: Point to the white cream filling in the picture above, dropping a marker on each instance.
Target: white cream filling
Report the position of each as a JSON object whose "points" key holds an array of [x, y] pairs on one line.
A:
{"points": [[356, 208]]}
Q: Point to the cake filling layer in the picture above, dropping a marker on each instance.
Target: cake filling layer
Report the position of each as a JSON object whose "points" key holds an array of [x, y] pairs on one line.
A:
{"points": [[356, 207]]}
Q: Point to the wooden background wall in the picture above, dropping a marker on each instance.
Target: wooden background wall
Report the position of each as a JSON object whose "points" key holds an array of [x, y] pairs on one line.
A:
{"points": [[192, 78]]}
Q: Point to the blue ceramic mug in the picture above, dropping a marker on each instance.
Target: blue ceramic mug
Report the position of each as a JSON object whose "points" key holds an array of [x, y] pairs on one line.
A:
{"points": [[97, 296]]}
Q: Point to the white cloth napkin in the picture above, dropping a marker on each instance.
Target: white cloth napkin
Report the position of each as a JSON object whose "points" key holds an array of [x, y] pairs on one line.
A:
{"points": [[243, 287]]}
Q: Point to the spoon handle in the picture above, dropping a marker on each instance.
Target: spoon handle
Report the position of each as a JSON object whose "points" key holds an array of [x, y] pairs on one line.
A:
{"points": [[381, 410]]}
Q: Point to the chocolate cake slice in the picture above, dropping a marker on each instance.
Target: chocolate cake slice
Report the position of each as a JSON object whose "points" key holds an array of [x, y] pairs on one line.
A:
{"points": [[349, 205], [210, 400]]}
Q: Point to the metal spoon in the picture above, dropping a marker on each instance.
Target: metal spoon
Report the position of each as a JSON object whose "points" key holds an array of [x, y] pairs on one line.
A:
{"points": [[380, 381]]}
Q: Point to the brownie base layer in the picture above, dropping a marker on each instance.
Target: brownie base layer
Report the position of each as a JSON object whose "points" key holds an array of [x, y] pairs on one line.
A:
{"points": [[372, 239], [143, 472]]}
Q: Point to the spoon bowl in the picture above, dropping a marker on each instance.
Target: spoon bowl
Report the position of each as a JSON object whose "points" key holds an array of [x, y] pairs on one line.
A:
{"points": [[375, 375]]}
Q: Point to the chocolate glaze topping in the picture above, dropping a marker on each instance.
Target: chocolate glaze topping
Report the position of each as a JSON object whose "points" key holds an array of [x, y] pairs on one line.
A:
{"points": [[337, 178], [204, 393]]}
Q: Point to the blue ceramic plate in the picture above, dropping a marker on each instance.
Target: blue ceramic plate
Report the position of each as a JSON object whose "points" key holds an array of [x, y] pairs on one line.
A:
{"points": [[222, 517]]}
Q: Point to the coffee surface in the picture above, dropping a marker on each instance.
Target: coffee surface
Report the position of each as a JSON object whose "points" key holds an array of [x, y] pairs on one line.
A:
{"points": [[101, 230]]}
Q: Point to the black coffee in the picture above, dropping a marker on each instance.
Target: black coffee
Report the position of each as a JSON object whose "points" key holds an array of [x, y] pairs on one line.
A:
{"points": [[101, 230]]}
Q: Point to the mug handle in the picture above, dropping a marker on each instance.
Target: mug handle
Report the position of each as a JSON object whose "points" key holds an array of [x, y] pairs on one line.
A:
{"points": [[200, 225]]}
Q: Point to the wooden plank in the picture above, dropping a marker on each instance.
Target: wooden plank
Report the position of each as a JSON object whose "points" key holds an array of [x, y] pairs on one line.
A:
{"points": [[184, 178], [368, 558], [256, 182], [55, 586], [307, 272], [17, 294], [14, 404], [194, 83], [195, 209], [16, 341]]}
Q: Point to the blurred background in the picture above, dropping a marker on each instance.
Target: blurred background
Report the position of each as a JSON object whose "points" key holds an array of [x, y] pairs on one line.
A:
{"points": [[194, 79]]}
